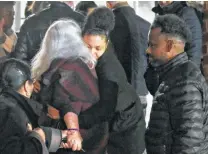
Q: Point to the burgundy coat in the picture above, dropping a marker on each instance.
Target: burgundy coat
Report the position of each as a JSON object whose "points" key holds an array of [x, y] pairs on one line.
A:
{"points": [[70, 86]]}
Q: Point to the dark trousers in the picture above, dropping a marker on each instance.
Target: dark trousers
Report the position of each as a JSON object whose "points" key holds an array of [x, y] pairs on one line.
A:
{"points": [[130, 141]]}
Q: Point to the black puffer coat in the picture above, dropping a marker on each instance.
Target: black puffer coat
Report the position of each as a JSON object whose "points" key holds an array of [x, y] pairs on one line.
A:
{"points": [[179, 118], [17, 112], [34, 28]]}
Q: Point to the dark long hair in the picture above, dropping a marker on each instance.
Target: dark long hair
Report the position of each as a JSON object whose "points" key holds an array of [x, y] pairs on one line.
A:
{"points": [[100, 22]]}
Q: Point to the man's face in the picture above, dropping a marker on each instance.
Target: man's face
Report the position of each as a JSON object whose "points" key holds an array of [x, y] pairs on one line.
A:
{"points": [[109, 4], [70, 3], [157, 48], [8, 14], [164, 3]]}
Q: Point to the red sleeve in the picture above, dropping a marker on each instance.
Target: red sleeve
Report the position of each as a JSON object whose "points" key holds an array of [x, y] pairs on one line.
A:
{"points": [[76, 89]]}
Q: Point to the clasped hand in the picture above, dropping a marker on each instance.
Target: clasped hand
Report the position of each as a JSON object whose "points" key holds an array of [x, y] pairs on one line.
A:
{"points": [[74, 141]]}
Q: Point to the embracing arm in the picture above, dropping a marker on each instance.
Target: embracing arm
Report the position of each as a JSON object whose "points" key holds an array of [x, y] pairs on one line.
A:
{"points": [[104, 109], [62, 102], [22, 46]]}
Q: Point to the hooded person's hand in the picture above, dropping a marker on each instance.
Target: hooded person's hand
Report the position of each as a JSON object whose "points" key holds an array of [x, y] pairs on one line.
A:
{"points": [[41, 133], [37, 86]]}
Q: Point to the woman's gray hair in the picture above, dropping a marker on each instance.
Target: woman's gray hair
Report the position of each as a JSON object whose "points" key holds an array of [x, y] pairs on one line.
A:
{"points": [[62, 40]]}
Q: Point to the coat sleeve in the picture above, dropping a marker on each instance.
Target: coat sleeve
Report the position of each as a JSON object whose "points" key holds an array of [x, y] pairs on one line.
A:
{"points": [[75, 89], [15, 137], [22, 46], [194, 51], [104, 109], [138, 46], [120, 40], [186, 117], [53, 138], [28, 144]]}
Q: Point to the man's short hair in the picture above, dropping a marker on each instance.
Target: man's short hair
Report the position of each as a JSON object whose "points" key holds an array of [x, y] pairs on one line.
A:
{"points": [[83, 6], [172, 26]]}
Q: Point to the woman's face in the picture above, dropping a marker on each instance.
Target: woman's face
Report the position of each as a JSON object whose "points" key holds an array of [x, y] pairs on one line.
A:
{"points": [[96, 43]]}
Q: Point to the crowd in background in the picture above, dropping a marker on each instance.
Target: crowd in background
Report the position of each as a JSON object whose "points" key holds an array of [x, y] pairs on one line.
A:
{"points": [[75, 79]]}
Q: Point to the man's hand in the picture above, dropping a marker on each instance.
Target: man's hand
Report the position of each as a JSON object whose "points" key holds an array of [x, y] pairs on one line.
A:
{"points": [[74, 141]]}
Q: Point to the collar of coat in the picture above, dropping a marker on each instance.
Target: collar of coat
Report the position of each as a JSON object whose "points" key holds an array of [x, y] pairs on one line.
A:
{"points": [[120, 4], [178, 60], [31, 108], [59, 4], [176, 6]]}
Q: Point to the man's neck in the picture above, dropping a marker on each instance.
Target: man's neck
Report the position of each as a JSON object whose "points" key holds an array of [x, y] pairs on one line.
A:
{"points": [[70, 4], [120, 4]]}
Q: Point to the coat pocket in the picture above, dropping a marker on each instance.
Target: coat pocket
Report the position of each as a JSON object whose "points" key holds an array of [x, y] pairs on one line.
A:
{"points": [[125, 119]]}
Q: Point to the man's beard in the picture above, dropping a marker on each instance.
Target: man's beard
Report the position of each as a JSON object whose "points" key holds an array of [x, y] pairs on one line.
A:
{"points": [[154, 62]]}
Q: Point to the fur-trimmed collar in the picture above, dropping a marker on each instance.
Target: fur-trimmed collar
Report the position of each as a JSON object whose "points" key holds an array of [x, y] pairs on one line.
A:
{"points": [[196, 4]]}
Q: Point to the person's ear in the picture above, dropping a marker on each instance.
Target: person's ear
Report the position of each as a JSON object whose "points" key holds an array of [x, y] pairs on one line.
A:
{"points": [[106, 44], [28, 88], [90, 10], [169, 45]]}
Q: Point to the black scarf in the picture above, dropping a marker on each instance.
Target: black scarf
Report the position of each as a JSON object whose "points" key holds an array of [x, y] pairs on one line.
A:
{"points": [[31, 108]]}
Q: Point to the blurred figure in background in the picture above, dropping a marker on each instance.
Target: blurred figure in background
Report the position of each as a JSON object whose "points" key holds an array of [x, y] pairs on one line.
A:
{"points": [[7, 35], [129, 38], [28, 8], [33, 29], [85, 7], [38, 6], [35, 7]]}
